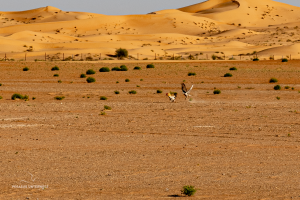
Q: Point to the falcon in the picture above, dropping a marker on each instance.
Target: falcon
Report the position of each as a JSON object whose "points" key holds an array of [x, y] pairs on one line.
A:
{"points": [[186, 93], [172, 97]]}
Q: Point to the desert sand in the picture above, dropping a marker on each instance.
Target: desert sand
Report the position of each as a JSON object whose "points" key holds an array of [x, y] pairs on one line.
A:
{"points": [[225, 28], [240, 144]]}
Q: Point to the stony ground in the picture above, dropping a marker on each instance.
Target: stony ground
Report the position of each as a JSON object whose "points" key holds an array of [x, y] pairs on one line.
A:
{"points": [[240, 144]]}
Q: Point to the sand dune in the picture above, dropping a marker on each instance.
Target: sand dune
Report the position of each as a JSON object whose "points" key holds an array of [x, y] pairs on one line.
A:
{"points": [[231, 27]]}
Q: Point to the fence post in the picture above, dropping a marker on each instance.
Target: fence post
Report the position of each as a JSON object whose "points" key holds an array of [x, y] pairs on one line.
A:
{"points": [[155, 56], [45, 57], [25, 56], [5, 57], [206, 56], [290, 56], [63, 56], [138, 56]]}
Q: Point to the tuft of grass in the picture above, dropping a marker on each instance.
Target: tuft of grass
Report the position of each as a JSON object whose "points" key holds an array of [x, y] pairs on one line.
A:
{"points": [[104, 69], [117, 92], [25, 69], [149, 66], [90, 71], [0, 84], [107, 108], [138, 86], [278, 98], [277, 87], [217, 91], [59, 98], [82, 76], [116, 69], [273, 80], [137, 68], [19, 96], [55, 68], [127, 80], [141, 79], [191, 74], [59, 81], [102, 113], [233, 69], [132, 92], [56, 75], [159, 91], [1, 97], [227, 75], [33, 98], [287, 87], [90, 80], [117, 82], [103, 98], [188, 190]]}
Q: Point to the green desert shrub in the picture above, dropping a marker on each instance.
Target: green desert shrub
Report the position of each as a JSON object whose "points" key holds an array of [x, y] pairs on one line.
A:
{"points": [[107, 107], [284, 60], [233, 69], [191, 74], [90, 71], [137, 68], [227, 75], [56, 75], [82, 76], [188, 190], [273, 80], [132, 92], [25, 69], [159, 91], [214, 57], [277, 87], [121, 53], [104, 69], [149, 66], [123, 68], [103, 98], [255, 59], [116, 69], [59, 98], [287, 87], [19, 96], [59, 81], [90, 80], [117, 92], [55, 68], [127, 80], [217, 91]]}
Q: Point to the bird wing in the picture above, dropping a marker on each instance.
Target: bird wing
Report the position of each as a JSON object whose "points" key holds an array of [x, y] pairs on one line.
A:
{"points": [[170, 95], [184, 90], [190, 89]]}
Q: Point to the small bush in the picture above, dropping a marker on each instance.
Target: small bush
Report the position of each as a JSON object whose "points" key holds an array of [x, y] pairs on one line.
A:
{"points": [[273, 80], [104, 69], [90, 71], [191, 74], [127, 80], [188, 190], [277, 87], [284, 60], [149, 66], [278, 98], [117, 92], [17, 96], [25, 69], [255, 59], [227, 75], [82, 76], [55, 68], [56, 75], [141, 79], [59, 98], [33, 98], [214, 57], [90, 80], [107, 108], [159, 91], [116, 69], [132, 92], [233, 69], [123, 68], [103, 98], [102, 113], [137, 68], [59, 81], [1, 97], [287, 87], [217, 91], [0, 84]]}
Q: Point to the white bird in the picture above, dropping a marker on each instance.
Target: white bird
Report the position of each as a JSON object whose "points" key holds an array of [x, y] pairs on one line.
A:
{"points": [[171, 97], [186, 93]]}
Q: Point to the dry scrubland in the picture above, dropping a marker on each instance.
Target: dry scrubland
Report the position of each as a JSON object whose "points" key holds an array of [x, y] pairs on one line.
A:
{"points": [[215, 27], [240, 144]]}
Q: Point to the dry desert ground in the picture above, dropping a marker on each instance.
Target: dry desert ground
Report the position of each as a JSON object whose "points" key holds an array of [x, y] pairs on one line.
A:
{"points": [[240, 144]]}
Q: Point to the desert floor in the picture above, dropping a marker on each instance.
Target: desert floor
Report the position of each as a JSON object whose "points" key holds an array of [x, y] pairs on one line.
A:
{"points": [[240, 144]]}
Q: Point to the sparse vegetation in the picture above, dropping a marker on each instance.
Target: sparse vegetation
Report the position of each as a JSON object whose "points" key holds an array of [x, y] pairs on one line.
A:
{"points": [[1, 97], [56, 75], [188, 190], [59, 81], [255, 59], [287, 87], [25, 69], [104, 69], [284, 60], [278, 98], [137, 68], [102, 113], [107, 108], [121, 53], [123, 68], [132, 92], [191, 74], [59, 98], [90, 71], [90, 80], [233, 69], [116, 69], [227, 75], [277, 87], [103, 98], [55, 68], [82, 76], [149, 66], [19, 96], [217, 91], [159, 91], [117, 92], [127, 80], [273, 80]]}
